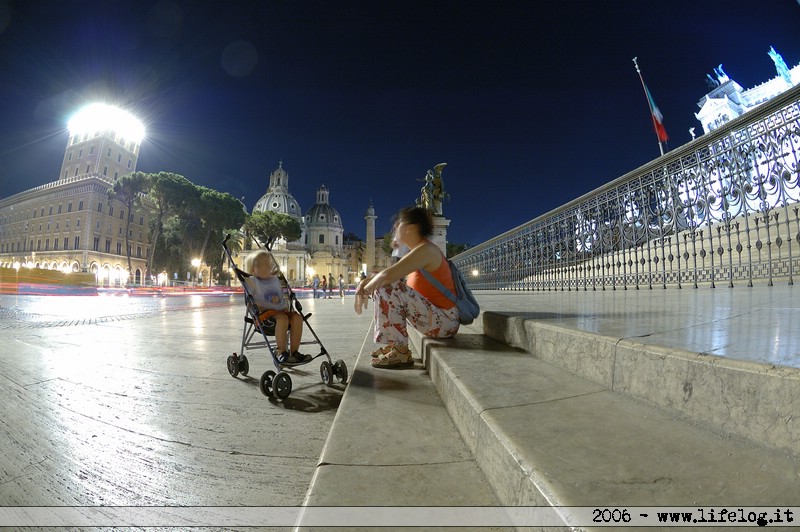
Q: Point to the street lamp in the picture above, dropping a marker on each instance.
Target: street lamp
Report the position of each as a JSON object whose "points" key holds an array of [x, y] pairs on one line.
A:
{"points": [[196, 264]]}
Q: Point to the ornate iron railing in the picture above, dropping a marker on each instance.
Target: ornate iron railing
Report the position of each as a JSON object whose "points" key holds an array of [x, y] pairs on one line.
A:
{"points": [[721, 210]]}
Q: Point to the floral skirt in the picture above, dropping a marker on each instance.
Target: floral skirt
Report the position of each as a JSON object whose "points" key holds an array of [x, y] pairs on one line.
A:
{"points": [[397, 304]]}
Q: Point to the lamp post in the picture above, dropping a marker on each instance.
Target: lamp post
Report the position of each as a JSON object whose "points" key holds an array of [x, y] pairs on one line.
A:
{"points": [[196, 264]]}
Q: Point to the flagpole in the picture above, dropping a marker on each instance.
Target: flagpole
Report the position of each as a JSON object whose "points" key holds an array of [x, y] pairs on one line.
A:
{"points": [[653, 118]]}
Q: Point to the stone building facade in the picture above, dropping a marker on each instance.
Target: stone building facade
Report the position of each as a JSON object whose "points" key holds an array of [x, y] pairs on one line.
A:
{"points": [[70, 224]]}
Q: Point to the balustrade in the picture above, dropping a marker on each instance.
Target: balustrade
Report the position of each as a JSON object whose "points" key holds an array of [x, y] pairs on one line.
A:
{"points": [[722, 210]]}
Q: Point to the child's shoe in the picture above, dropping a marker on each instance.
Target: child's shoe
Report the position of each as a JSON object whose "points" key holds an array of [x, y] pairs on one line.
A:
{"points": [[297, 358]]}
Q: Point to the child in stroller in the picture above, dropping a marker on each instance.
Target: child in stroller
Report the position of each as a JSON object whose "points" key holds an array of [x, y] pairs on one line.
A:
{"points": [[272, 308], [269, 297]]}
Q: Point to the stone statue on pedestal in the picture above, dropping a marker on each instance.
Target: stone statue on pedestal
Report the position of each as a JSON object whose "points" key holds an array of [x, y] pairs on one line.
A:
{"points": [[432, 192]]}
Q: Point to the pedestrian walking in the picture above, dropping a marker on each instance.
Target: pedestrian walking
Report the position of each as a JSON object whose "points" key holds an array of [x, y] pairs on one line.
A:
{"points": [[341, 285], [315, 284]]}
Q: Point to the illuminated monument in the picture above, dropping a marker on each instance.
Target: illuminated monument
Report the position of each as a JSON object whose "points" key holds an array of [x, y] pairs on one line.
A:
{"points": [[70, 224], [728, 100]]}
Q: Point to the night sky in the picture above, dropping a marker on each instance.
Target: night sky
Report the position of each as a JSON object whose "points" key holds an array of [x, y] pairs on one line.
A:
{"points": [[531, 103]]}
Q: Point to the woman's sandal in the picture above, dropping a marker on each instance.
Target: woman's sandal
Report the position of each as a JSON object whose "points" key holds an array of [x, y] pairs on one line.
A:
{"points": [[382, 351], [393, 359]]}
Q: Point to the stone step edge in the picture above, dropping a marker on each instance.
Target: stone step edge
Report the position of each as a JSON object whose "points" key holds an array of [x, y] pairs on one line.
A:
{"points": [[747, 399], [526, 470]]}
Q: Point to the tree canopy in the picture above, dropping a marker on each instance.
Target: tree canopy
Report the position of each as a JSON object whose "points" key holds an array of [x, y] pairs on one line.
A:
{"points": [[268, 226]]}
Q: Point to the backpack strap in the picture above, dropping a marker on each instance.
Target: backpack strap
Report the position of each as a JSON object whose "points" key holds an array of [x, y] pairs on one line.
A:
{"points": [[438, 285]]}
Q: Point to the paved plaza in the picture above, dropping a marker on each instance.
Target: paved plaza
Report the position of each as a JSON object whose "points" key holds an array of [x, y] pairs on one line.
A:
{"points": [[122, 401], [127, 401]]}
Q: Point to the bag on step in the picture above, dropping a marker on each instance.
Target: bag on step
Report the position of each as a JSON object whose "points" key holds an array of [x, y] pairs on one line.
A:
{"points": [[468, 308]]}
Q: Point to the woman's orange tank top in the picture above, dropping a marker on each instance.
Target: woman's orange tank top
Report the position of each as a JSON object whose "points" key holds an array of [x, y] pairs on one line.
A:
{"points": [[418, 282]]}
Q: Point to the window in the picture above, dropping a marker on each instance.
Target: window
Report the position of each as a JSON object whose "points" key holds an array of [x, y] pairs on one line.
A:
{"points": [[55, 244], [77, 242], [91, 150], [122, 214], [119, 158], [141, 220], [105, 170], [100, 206], [111, 210], [80, 153], [87, 168], [59, 209], [321, 239], [108, 245], [69, 157], [139, 251], [39, 244], [129, 163], [66, 242], [41, 212], [76, 171], [47, 244], [69, 207], [109, 153], [96, 244], [119, 248], [80, 205], [78, 224], [50, 212]]}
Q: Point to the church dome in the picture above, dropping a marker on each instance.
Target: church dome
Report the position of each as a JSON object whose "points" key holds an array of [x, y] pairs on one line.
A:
{"points": [[322, 213], [278, 198], [324, 230]]}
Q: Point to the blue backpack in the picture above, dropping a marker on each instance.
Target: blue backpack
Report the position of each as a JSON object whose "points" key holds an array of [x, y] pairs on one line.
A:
{"points": [[468, 308]]}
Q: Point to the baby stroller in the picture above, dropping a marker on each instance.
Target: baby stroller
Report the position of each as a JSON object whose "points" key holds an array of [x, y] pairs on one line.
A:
{"points": [[277, 382]]}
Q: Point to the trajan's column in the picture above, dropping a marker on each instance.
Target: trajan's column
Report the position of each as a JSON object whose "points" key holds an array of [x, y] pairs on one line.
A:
{"points": [[369, 258]]}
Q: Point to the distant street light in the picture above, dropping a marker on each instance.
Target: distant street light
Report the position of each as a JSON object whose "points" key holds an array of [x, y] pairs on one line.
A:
{"points": [[196, 264]]}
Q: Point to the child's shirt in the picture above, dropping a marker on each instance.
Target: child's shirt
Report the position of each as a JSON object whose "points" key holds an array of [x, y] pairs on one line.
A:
{"points": [[267, 293]]}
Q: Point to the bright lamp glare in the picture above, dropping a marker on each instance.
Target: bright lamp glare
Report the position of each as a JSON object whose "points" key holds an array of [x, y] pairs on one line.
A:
{"points": [[101, 117]]}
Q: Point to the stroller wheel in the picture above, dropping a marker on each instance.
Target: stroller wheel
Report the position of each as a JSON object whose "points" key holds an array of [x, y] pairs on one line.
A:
{"points": [[265, 383], [244, 365], [340, 370], [233, 366], [282, 385], [326, 372]]}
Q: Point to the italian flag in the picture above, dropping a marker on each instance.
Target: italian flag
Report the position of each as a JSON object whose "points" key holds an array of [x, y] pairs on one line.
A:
{"points": [[658, 118]]}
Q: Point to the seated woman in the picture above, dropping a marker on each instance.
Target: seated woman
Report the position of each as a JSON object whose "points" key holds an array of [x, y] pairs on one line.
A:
{"points": [[414, 300], [268, 295]]}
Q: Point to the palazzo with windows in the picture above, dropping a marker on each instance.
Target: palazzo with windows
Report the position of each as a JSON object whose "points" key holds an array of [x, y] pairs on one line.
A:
{"points": [[70, 224]]}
